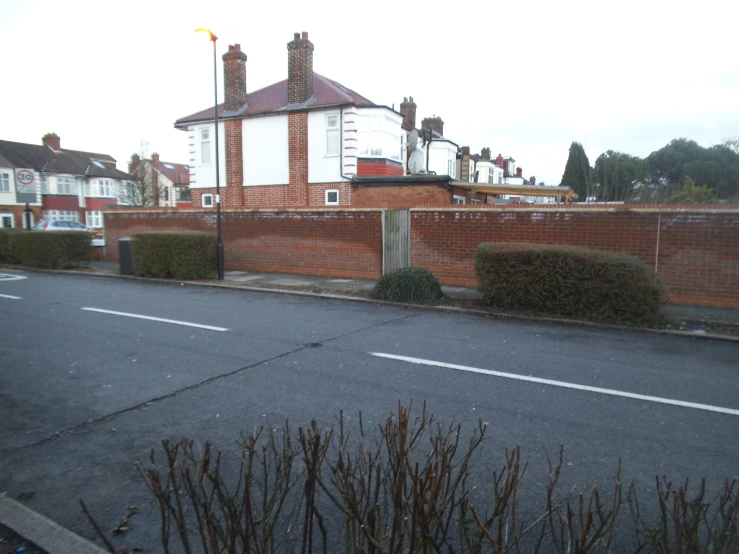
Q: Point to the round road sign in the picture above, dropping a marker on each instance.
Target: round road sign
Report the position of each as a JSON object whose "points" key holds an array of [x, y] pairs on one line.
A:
{"points": [[25, 177]]}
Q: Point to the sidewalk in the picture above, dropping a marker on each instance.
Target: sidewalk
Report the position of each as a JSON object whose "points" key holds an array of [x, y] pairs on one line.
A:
{"points": [[691, 315]]}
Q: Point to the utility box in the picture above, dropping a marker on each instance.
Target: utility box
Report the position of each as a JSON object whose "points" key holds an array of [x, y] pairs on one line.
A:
{"points": [[125, 261]]}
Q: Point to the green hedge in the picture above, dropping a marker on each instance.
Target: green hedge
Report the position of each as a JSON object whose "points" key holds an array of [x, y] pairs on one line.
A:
{"points": [[47, 249], [175, 255], [6, 247], [413, 285], [570, 282]]}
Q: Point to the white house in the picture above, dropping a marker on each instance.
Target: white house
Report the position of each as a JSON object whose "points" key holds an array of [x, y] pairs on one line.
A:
{"points": [[295, 143]]}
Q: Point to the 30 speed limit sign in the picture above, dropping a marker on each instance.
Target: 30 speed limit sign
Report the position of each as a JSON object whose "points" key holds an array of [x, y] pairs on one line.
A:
{"points": [[25, 180]]}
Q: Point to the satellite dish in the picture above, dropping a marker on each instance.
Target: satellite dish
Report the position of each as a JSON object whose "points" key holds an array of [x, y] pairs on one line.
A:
{"points": [[416, 162], [413, 139]]}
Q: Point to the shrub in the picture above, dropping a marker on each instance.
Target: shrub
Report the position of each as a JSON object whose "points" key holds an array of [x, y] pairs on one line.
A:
{"points": [[414, 285], [569, 282], [175, 255], [51, 250], [6, 247]]}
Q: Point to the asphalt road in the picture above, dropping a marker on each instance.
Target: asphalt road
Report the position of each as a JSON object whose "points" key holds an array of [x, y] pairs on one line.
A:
{"points": [[84, 393]]}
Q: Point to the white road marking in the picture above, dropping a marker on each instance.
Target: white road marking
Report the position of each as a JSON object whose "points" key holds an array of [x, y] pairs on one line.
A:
{"points": [[9, 277], [561, 384], [162, 320], [11, 297]]}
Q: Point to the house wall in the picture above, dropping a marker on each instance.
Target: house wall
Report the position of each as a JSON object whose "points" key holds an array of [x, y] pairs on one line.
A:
{"points": [[439, 155], [333, 243], [697, 258], [204, 176], [265, 153], [322, 168]]}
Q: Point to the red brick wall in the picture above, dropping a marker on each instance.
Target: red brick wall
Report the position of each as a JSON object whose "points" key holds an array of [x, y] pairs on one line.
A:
{"points": [[297, 124], [317, 193], [401, 196], [231, 196], [698, 257], [96, 204], [319, 242], [367, 167], [50, 202], [17, 212]]}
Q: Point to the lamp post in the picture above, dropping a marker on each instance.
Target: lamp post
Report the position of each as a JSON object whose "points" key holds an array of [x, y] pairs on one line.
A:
{"points": [[213, 39]]}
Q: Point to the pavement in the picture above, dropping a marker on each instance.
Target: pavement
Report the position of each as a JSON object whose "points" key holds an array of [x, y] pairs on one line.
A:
{"points": [[94, 373], [690, 315]]}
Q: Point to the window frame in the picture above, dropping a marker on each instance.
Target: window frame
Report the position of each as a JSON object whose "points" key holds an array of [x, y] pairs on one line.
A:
{"points": [[70, 185], [5, 180], [475, 201], [61, 215], [8, 215], [331, 130], [92, 217], [338, 197], [203, 142], [369, 132], [457, 197], [212, 200]]}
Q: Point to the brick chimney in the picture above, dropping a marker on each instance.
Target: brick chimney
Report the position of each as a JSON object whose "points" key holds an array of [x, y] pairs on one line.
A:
{"points": [[52, 140], [134, 163], [299, 69], [434, 123], [155, 159], [408, 109], [485, 154], [519, 172], [499, 160], [465, 164], [532, 180], [234, 78]]}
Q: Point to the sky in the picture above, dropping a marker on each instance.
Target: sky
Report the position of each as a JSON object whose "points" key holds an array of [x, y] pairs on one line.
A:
{"points": [[524, 78]]}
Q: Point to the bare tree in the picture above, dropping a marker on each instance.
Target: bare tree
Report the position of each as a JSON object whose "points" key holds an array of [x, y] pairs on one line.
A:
{"points": [[143, 190]]}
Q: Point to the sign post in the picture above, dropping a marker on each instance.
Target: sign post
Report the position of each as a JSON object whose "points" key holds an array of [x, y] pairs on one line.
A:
{"points": [[25, 186]]}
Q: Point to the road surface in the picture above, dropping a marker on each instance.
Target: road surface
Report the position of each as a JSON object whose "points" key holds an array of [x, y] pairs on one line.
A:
{"points": [[94, 372]]}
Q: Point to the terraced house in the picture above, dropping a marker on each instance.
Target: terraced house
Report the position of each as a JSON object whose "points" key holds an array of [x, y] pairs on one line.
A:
{"points": [[56, 183]]}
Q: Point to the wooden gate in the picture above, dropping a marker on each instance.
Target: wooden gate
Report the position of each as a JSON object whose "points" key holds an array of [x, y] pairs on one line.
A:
{"points": [[396, 239]]}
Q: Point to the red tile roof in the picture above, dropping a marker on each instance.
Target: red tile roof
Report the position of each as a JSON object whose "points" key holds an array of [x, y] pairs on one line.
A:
{"points": [[180, 173], [274, 99]]}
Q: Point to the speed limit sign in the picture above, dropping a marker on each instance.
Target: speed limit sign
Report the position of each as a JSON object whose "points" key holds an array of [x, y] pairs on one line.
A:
{"points": [[25, 180]]}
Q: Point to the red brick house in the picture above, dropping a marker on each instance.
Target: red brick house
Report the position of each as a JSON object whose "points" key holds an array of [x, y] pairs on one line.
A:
{"points": [[159, 184], [296, 143], [57, 184]]}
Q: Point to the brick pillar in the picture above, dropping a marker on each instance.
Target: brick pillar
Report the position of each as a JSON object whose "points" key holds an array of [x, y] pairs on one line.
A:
{"points": [[233, 195], [299, 69], [298, 146]]}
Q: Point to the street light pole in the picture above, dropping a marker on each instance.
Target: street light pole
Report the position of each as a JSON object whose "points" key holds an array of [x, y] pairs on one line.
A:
{"points": [[213, 39]]}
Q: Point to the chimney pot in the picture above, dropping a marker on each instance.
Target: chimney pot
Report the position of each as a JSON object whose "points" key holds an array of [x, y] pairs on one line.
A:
{"points": [[299, 69], [532, 179], [155, 158], [52, 140], [408, 111], [519, 172], [234, 77]]}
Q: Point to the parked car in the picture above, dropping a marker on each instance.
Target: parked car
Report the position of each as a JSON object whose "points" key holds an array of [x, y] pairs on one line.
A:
{"points": [[48, 225]]}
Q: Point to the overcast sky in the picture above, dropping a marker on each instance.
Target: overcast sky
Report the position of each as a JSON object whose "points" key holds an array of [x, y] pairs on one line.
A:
{"points": [[524, 78]]}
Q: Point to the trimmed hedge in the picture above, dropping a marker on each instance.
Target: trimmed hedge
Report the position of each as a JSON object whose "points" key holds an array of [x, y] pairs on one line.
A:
{"points": [[47, 249], [175, 255], [570, 282], [6, 247], [413, 285]]}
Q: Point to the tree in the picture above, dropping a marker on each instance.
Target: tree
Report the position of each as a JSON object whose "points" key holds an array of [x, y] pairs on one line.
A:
{"points": [[577, 172], [616, 176], [692, 194], [716, 167], [732, 144], [143, 189]]}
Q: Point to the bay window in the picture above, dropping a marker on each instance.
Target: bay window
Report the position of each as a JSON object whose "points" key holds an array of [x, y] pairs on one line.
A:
{"points": [[61, 215], [378, 136], [66, 185]]}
